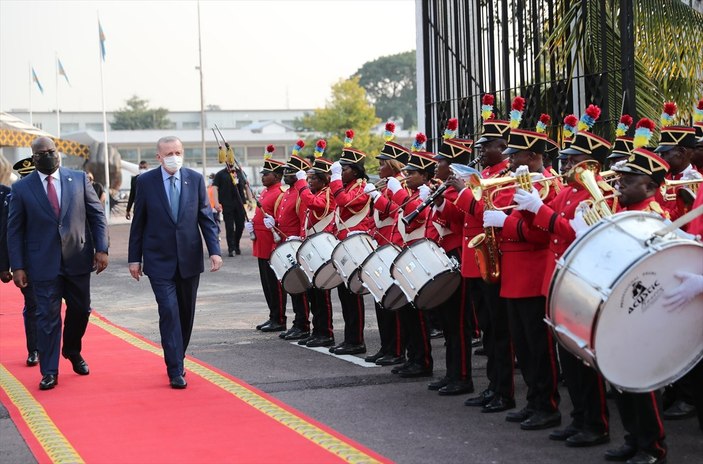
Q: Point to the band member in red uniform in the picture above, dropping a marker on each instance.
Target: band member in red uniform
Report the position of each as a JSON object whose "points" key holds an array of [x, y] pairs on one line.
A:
{"points": [[353, 213], [289, 220], [263, 243], [319, 206], [419, 170], [391, 160], [491, 314], [455, 314], [524, 253], [676, 147], [586, 386]]}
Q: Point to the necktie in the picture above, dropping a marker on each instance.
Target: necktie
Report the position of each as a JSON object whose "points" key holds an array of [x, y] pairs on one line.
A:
{"points": [[53, 198], [175, 197]]}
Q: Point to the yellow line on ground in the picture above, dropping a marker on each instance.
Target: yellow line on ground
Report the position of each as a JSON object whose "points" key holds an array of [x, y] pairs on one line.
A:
{"points": [[311, 432], [43, 428]]}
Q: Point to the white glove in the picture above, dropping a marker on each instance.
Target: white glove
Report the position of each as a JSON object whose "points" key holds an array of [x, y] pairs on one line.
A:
{"points": [[249, 226], [690, 287], [619, 165], [578, 223], [269, 222], [494, 218], [424, 192], [301, 175], [521, 170], [371, 191], [691, 174], [393, 184], [293, 237], [336, 168], [528, 201]]}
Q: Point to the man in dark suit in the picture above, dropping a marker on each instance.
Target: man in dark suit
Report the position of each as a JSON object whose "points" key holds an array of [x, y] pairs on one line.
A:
{"points": [[143, 167], [56, 235], [170, 212]]}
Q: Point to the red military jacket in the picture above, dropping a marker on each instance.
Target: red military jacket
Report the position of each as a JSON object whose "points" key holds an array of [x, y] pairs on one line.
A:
{"points": [[695, 227], [316, 207], [524, 251], [290, 215], [385, 213], [269, 199], [351, 200], [675, 208], [648, 205], [446, 231], [411, 201]]}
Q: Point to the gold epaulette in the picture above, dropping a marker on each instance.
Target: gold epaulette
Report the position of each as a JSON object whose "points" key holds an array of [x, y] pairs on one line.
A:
{"points": [[656, 208], [284, 187]]}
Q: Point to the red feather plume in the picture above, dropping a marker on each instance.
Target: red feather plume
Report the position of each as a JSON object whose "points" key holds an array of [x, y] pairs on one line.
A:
{"points": [[644, 122], [270, 148], [390, 126], [518, 103], [545, 119], [301, 143], [626, 119], [670, 108], [420, 138], [571, 120], [322, 143], [349, 133], [593, 111], [700, 104], [452, 124], [488, 99]]}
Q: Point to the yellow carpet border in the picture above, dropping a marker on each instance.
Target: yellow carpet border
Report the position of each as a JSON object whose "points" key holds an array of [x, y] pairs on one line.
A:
{"points": [[309, 431], [54, 443]]}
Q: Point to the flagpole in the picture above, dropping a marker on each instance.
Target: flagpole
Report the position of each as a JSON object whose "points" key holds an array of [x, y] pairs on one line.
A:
{"points": [[31, 120], [58, 116], [202, 100], [106, 159]]}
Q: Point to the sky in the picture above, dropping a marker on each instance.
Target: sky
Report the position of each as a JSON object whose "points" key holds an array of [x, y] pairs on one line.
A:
{"points": [[263, 54]]}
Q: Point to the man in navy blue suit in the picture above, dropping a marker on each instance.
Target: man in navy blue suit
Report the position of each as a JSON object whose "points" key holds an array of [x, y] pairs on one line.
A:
{"points": [[170, 212], [56, 235]]}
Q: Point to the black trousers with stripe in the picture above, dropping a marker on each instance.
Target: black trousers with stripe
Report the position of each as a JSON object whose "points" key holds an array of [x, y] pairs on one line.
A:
{"points": [[276, 298], [320, 302], [353, 314]]}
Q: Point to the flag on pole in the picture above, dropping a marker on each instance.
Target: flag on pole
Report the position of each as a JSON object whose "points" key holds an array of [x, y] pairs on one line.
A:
{"points": [[102, 40], [36, 79], [62, 72]]}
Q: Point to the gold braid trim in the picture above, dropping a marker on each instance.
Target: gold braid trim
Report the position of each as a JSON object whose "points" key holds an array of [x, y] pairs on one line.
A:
{"points": [[327, 204]]}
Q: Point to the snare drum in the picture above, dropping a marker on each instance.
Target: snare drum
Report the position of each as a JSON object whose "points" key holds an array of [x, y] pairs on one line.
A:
{"points": [[315, 258], [605, 302], [286, 267], [347, 257], [376, 277], [426, 274]]}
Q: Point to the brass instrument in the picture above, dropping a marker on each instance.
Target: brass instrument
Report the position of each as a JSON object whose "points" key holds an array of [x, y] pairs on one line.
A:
{"points": [[692, 185], [482, 187], [610, 176], [584, 173], [557, 182]]}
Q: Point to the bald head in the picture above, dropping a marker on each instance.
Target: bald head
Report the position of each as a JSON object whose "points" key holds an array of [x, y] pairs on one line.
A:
{"points": [[44, 154], [42, 144]]}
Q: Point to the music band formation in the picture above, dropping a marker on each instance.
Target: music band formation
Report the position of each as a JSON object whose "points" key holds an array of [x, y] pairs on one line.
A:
{"points": [[436, 239]]}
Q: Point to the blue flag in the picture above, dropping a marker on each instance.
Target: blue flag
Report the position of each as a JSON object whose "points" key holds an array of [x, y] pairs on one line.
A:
{"points": [[102, 40], [36, 79], [62, 72]]}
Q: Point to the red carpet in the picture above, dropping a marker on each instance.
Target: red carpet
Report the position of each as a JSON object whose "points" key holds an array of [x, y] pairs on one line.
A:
{"points": [[125, 412]]}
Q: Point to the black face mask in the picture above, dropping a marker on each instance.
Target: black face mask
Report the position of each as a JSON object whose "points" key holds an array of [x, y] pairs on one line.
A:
{"points": [[46, 164]]}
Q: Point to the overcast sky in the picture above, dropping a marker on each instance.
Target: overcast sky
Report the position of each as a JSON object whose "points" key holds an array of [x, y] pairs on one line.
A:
{"points": [[263, 54]]}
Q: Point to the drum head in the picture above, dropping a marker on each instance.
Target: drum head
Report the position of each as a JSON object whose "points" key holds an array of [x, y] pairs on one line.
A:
{"points": [[355, 283], [438, 290], [295, 281], [327, 277], [639, 345], [394, 299]]}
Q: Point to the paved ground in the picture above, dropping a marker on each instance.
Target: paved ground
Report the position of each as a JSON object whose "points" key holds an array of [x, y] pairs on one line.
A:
{"points": [[398, 418]]}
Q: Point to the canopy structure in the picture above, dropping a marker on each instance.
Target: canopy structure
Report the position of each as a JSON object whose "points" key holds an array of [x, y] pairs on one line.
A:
{"points": [[15, 132]]}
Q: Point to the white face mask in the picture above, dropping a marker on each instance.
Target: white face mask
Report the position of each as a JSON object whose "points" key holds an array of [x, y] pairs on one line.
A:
{"points": [[173, 163]]}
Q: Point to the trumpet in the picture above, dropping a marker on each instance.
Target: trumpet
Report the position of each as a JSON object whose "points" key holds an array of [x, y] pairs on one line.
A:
{"points": [[679, 186], [490, 187]]}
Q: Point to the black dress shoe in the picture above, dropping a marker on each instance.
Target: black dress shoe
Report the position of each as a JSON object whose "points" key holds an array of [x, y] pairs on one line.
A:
{"points": [[273, 327], [481, 400], [178, 382], [645, 458], [437, 384], [80, 367], [320, 341], [586, 438], [397, 369], [48, 382], [456, 388], [337, 346], [283, 334], [237, 251], [296, 334], [351, 349], [415, 370], [499, 403], [390, 360], [563, 434], [263, 324], [679, 410], [33, 358], [519, 416], [304, 341], [623, 453], [541, 420], [374, 357]]}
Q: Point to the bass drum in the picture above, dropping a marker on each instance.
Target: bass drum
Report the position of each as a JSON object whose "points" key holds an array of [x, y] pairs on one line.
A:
{"points": [[426, 274], [285, 265], [347, 257], [315, 258], [376, 277], [605, 302]]}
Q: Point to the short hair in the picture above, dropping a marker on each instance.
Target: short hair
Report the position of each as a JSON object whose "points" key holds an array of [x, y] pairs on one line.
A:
{"points": [[142, 163], [167, 139]]}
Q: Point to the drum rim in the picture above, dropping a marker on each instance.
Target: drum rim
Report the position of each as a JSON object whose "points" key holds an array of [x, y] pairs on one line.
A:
{"points": [[377, 249], [401, 292], [320, 269], [307, 279], [419, 291]]}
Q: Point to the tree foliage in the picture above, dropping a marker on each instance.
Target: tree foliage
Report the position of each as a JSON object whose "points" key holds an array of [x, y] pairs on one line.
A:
{"points": [[348, 108], [390, 83], [137, 115]]}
